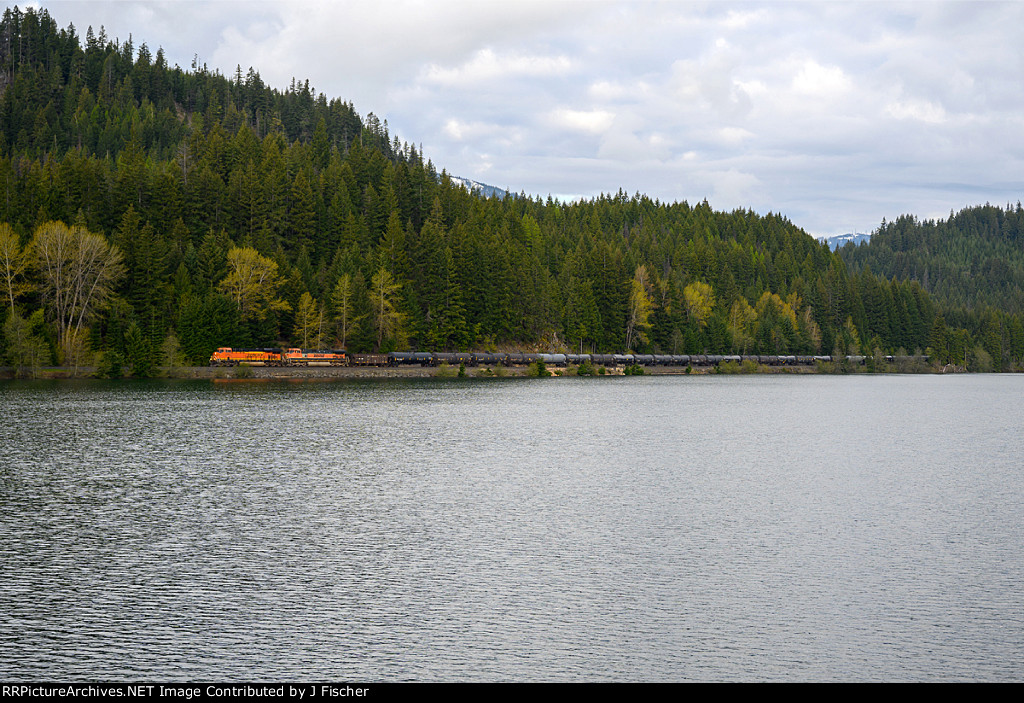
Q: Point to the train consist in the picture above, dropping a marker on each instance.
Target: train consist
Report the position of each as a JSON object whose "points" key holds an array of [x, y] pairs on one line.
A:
{"points": [[226, 356]]}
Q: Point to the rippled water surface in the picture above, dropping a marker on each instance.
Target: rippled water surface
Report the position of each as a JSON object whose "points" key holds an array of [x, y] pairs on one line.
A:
{"points": [[672, 528]]}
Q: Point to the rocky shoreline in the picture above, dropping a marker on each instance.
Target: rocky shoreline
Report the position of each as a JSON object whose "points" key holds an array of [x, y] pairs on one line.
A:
{"points": [[283, 373]]}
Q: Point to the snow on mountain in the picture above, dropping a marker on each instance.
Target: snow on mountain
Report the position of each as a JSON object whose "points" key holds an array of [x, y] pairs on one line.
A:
{"points": [[483, 189], [841, 239]]}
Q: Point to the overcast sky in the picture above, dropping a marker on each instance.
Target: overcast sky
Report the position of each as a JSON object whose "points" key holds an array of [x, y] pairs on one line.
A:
{"points": [[835, 114]]}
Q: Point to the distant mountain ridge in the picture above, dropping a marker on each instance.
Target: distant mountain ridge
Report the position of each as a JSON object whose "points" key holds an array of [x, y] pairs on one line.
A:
{"points": [[841, 240], [483, 189]]}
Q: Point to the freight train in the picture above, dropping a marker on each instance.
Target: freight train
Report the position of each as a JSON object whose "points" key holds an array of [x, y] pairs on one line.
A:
{"points": [[226, 356]]}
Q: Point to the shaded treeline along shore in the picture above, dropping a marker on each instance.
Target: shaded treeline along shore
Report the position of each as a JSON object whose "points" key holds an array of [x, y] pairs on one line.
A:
{"points": [[150, 214]]}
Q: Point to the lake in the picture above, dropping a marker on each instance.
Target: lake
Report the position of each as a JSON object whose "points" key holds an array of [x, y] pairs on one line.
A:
{"points": [[704, 528]]}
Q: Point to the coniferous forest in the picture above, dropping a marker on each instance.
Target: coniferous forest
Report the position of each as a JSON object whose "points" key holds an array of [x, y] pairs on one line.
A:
{"points": [[149, 214]]}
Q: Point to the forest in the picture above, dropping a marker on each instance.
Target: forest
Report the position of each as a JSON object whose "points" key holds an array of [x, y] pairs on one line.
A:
{"points": [[972, 264], [152, 213]]}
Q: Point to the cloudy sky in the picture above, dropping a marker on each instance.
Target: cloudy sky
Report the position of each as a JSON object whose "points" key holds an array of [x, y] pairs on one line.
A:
{"points": [[836, 114]]}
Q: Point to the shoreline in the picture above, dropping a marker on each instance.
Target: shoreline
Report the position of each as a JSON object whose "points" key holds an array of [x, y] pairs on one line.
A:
{"points": [[293, 373]]}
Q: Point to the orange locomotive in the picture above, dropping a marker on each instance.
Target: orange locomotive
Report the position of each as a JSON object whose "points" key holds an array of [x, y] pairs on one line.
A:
{"points": [[317, 357], [226, 356]]}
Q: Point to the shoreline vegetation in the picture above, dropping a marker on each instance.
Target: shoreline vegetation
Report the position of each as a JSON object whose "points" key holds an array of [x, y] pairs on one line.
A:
{"points": [[292, 373]]}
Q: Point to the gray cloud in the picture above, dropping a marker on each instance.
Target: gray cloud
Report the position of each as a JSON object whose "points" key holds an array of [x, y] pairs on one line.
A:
{"points": [[834, 114]]}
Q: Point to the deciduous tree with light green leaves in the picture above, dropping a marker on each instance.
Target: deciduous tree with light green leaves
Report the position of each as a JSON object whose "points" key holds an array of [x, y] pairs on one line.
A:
{"points": [[14, 260], [309, 323], [252, 283], [741, 325], [26, 348], [387, 320], [78, 270], [343, 299], [640, 308], [699, 300]]}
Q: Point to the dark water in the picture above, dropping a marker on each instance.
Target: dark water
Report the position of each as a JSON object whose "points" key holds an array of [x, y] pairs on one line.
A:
{"points": [[686, 528]]}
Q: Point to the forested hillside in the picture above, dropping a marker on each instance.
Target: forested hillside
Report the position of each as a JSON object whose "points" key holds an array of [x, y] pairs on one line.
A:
{"points": [[150, 211], [972, 264]]}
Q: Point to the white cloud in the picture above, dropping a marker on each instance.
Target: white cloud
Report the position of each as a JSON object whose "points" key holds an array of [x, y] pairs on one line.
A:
{"points": [[486, 65], [463, 131], [920, 110], [629, 147], [733, 188], [455, 129], [735, 19], [734, 135], [588, 121], [611, 91], [818, 80]]}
